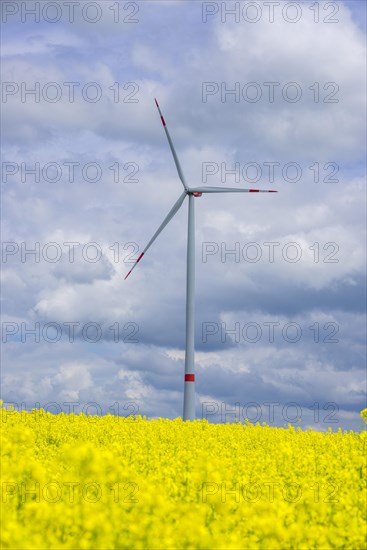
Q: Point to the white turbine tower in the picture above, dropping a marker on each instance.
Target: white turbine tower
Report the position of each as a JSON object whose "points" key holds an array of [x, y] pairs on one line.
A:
{"points": [[189, 387]]}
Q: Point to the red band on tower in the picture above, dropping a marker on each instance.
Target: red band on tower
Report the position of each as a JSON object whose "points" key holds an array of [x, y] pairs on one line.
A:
{"points": [[189, 377]]}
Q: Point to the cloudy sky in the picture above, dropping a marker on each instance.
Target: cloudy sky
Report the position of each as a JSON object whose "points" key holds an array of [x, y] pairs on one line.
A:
{"points": [[270, 95]]}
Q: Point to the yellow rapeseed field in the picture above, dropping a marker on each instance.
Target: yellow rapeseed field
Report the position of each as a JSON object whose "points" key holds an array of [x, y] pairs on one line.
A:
{"points": [[74, 481]]}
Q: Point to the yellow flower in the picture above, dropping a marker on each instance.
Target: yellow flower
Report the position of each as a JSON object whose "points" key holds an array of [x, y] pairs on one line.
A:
{"points": [[72, 482]]}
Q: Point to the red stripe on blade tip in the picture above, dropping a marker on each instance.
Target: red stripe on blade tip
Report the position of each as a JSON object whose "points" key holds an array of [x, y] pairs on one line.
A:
{"points": [[163, 121], [127, 275], [189, 377], [140, 257], [264, 190]]}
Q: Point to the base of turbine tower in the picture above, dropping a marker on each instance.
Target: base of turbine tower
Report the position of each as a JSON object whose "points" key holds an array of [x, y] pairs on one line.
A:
{"points": [[189, 397]]}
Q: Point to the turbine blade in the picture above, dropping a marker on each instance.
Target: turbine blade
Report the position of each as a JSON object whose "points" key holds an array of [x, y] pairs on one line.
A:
{"points": [[166, 220], [175, 158], [229, 190]]}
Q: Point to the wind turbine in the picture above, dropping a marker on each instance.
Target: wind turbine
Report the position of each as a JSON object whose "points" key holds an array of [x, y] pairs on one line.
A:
{"points": [[191, 193]]}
